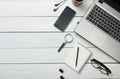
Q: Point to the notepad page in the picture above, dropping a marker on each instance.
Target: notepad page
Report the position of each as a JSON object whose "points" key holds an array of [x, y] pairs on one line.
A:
{"points": [[84, 55]]}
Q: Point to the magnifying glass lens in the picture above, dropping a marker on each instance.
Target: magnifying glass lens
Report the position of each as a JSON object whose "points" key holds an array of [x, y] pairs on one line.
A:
{"points": [[69, 38]]}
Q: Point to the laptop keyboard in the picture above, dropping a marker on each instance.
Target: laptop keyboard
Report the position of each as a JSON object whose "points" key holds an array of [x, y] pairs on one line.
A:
{"points": [[105, 21]]}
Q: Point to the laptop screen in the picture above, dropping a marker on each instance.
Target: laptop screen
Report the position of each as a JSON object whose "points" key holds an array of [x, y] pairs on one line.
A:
{"points": [[114, 4]]}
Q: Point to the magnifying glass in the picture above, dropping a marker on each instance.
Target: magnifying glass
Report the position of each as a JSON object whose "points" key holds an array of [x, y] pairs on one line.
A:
{"points": [[68, 39]]}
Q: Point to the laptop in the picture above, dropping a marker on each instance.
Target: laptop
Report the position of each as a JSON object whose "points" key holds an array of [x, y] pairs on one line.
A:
{"points": [[101, 26]]}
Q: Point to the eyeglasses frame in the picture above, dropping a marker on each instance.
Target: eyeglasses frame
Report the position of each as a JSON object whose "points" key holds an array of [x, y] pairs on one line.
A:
{"points": [[101, 66]]}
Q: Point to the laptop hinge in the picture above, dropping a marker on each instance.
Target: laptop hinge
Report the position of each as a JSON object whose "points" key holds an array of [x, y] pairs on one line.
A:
{"points": [[101, 1]]}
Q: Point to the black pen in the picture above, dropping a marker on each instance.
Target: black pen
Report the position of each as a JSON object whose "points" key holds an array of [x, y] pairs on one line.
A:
{"points": [[77, 57]]}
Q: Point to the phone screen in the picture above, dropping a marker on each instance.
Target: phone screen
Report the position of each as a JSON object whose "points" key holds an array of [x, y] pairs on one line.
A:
{"points": [[64, 19]]}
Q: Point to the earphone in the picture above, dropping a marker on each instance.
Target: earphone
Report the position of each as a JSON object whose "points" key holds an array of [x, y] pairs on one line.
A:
{"points": [[57, 5], [55, 9]]}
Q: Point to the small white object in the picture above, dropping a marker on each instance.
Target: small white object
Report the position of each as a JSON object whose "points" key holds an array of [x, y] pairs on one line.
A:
{"points": [[68, 38], [84, 55]]}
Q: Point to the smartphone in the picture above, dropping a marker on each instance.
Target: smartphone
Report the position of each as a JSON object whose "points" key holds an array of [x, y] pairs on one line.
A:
{"points": [[64, 19]]}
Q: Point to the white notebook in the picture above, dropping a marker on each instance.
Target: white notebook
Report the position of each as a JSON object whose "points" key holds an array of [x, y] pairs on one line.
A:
{"points": [[78, 57]]}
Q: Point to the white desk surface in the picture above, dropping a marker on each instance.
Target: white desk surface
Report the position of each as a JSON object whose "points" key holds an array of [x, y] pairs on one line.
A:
{"points": [[29, 42]]}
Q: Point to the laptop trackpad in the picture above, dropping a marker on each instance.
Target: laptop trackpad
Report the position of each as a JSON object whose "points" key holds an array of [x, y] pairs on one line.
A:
{"points": [[97, 36]]}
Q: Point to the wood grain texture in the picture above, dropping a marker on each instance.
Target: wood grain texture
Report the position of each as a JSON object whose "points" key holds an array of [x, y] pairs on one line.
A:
{"points": [[38, 8], [33, 24], [36, 40], [46, 55]]}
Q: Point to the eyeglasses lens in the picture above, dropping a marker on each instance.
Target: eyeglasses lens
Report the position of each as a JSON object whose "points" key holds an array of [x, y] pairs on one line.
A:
{"points": [[104, 71]]}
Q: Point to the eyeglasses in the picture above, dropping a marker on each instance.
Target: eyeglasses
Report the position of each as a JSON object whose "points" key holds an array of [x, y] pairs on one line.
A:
{"points": [[98, 65]]}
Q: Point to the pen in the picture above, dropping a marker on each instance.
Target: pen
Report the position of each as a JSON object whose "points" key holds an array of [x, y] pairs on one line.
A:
{"points": [[77, 57]]}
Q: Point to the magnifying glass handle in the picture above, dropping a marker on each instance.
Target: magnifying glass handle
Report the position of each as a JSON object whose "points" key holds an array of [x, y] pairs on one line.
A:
{"points": [[61, 47]]}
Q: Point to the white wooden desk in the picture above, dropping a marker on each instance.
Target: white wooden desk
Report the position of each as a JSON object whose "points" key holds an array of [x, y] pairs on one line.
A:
{"points": [[29, 42]]}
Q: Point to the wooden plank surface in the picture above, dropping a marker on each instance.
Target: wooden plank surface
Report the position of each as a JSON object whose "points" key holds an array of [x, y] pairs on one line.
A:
{"points": [[32, 24], [38, 7], [51, 71], [45, 55], [36, 40]]}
